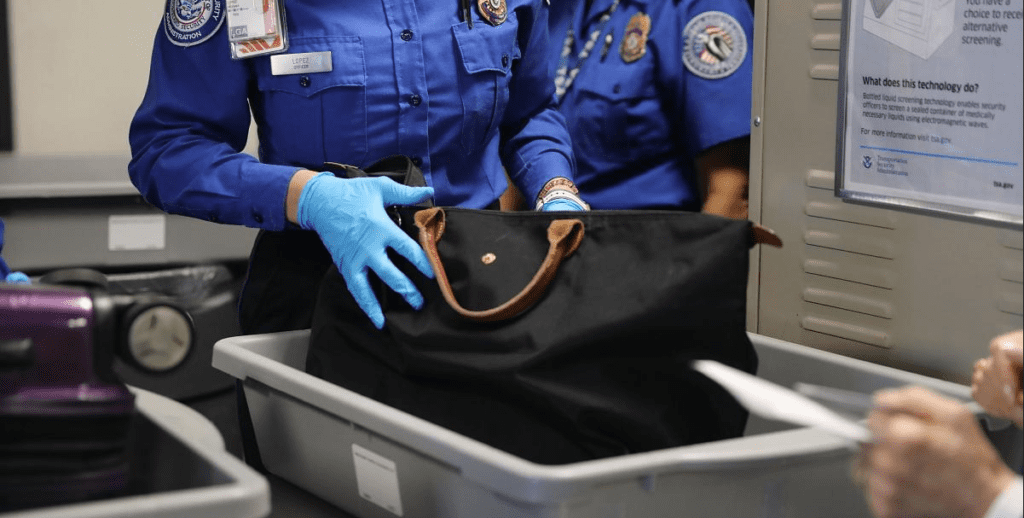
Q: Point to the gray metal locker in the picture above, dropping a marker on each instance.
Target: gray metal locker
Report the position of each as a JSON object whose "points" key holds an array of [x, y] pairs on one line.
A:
{"points": [[919, 292]]}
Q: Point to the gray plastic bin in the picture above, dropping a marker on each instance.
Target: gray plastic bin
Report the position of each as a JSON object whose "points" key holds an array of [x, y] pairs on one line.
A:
{"points": [[179, 468], [377, 462]]}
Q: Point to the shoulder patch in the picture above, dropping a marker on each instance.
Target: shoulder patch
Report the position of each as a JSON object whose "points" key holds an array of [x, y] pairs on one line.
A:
{"points": [[191, 22], [714, 45]]}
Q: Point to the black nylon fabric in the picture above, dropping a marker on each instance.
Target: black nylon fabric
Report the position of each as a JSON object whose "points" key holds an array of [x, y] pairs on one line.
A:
{"points": [[597, 368]]}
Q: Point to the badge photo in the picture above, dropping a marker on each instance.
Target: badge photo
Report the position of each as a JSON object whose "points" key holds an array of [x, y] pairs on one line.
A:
{"points": [[634, 40], [191, 22], [714, 45], [495, 12]]}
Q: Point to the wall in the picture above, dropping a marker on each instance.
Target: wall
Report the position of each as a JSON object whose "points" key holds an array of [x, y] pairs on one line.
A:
{"points": [[79, 70]]}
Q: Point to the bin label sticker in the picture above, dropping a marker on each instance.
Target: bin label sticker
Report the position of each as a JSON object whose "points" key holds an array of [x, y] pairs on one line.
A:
{"points": [[140, 232], [377, 479]]}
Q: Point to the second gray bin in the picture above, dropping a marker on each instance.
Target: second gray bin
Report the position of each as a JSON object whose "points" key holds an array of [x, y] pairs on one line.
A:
{"points": [[377, 462]]}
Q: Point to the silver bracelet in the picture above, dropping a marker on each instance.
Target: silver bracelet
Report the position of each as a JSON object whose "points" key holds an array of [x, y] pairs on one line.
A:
{"points": [[561, 194]]}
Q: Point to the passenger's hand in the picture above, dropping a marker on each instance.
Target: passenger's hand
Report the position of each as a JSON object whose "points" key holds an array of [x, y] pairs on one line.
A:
{"points": [[349, 216], [996, 384], [929, 459]]}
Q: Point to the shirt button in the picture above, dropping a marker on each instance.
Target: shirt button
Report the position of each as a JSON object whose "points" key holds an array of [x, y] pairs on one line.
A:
{"points": [[504, 60], [304, 81], [257, 217], [617, 89], [415, 100], [417, 161], [406, 35]]}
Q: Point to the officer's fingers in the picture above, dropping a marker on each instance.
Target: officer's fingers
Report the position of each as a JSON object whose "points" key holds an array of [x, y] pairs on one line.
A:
{"points": [[412, 251], [397, 281], [360, 289], [393, 193]]}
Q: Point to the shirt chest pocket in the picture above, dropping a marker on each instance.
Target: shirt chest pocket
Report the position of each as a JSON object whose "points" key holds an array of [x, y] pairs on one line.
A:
{"points": [[304, 117], [487, 54], [619, 116]]}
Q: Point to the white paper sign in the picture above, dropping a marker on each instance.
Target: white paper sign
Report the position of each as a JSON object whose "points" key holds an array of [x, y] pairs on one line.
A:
{"points": [[930, 106], [143, 232], [377, 479]]}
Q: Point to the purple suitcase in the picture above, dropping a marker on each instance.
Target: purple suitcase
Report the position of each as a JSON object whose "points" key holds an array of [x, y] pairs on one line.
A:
{"points": [[65, 417]]}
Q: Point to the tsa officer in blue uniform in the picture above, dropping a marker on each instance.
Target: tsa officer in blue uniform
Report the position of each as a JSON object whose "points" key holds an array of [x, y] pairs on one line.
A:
{"points": [[657, 97], [462, 87]]}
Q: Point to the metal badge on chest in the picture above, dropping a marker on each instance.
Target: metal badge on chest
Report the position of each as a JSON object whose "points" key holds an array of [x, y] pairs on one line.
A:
{"points": [[634, 40], [495, 12]]}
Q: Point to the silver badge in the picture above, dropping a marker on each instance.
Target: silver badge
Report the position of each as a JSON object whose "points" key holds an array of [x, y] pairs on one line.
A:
{"points": [[305, 63]]}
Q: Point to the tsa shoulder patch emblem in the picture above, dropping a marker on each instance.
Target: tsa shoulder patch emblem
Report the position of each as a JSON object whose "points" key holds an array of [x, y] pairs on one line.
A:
{"points": [[190, 22], [714, 45]]}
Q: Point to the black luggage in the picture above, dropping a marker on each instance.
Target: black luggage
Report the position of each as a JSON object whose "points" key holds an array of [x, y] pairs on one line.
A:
{"points": [[592, 364]]}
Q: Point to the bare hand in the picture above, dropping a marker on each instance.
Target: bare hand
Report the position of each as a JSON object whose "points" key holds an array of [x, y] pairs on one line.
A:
{"points": [[929, 459], [996, 384]]}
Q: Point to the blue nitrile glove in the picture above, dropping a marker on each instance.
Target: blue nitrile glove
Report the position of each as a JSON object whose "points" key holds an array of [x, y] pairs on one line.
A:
{"points": [[17, 278], [561, 204], [5, 272], [349, 216]]}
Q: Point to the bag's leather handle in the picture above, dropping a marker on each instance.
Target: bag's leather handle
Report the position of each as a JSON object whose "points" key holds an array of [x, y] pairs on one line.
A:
{"points": [[764, 236], [564, 236]]}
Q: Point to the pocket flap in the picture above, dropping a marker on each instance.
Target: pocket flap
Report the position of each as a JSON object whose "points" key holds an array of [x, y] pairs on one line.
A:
{"points": [[488, 48], [347, 67]]}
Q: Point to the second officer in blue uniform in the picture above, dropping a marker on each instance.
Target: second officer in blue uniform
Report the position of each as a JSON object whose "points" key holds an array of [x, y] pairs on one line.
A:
{"points": [[461, 87], [656, 94]]}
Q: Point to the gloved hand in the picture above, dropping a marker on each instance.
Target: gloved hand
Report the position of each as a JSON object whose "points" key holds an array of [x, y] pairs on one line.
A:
{"points": [[17, 278], [349, 217], [6, 275], [562, 204]]}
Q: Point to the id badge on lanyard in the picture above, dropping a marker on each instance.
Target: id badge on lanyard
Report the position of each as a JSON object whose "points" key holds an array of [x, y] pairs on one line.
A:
{"points": [[256, 28]]}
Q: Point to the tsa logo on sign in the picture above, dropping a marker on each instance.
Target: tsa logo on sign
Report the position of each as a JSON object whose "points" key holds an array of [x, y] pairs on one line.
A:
{"points": [[867, 162]]}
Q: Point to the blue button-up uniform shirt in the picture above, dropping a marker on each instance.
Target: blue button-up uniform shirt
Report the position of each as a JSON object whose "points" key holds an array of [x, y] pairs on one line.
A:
{"points": [[409, 77], [637, 127]]}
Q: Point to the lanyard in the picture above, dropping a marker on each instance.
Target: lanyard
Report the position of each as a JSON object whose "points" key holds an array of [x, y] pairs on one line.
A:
{"points": [[565, 77]]}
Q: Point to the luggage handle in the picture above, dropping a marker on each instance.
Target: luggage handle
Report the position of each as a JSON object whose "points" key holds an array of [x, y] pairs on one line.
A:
{"points": [[564, 236]]}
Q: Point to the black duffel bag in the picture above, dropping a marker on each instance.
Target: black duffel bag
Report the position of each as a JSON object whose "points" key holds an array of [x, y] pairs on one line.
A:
{"points": [[556, 337]]}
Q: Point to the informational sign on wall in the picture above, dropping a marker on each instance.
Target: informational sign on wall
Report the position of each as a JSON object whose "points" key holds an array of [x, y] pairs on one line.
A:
{"points": [[930, 109]]}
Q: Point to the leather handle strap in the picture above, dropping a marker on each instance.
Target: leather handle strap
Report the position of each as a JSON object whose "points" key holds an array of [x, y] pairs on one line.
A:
{"points": [[764, 236], [564, 237]]}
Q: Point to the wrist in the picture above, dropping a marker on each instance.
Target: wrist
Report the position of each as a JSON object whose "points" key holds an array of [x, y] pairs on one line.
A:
{"points": [[561, 194], [295, 188], [558, 182], [990, 487]]}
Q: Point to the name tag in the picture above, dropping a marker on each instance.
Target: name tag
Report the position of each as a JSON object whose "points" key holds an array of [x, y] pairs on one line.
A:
{"points": [[305, 63]]}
